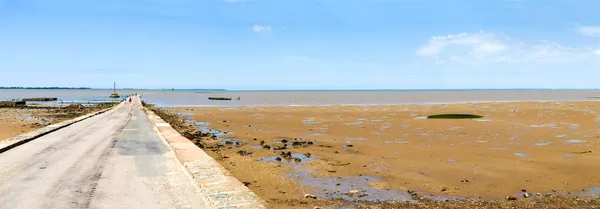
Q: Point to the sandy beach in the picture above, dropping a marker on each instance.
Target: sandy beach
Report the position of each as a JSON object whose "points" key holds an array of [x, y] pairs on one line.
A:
{"points": [[382, 151]]}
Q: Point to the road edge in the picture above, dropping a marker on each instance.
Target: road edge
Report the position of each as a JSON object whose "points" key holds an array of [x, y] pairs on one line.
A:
{"points": [[19, 140], [224, 190]]}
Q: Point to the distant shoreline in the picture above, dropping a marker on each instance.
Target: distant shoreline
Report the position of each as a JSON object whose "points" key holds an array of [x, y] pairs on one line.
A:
{"points": [[60, 88]]}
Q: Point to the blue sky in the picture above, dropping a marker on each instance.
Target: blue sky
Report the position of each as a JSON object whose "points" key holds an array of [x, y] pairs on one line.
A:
{"points": [[301, 44]]}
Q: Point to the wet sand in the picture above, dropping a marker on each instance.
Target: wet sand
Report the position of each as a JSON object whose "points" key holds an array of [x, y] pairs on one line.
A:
{"points": [[536, 146], [17, 121]]}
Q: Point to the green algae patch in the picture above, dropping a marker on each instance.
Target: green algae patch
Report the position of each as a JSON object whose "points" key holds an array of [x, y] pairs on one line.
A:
{"points": [[454, 116]]}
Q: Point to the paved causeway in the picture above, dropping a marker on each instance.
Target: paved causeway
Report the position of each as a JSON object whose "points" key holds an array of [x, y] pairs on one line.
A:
{"points": [[113, 160]]}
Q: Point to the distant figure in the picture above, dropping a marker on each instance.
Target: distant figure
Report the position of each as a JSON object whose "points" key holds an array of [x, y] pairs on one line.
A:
{"points": [[129, 99], [238, 98]]}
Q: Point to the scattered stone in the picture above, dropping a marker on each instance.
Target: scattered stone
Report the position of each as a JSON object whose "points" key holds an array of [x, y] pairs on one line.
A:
{"points": [[280, 147], [310, 196], [278, 158], [511, 198], [338, 184], [317, 207], [43, 167], [255, 139], [336, 152], [266, 147], [523, 190], [444, 189], [353, 192], [308, 154], [286, 155], [538, 194], [526, 195], [284, 141], [261, 142], [244, 153], [331, 171], [465, 180], [246, 183], [297, 160]]}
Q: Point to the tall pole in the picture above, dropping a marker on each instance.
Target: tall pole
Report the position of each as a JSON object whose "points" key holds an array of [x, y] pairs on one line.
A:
{"points": [[115, 87]]}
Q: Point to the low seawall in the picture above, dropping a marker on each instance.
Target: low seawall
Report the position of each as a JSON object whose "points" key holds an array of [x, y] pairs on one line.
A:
{"points": [[224, 190]]}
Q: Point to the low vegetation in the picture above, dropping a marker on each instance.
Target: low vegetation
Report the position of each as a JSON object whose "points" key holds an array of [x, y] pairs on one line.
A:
{"points": [[454, 116]]}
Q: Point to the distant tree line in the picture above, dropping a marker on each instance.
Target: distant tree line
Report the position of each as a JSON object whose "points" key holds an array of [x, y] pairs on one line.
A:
{"points": [[44, 87]]}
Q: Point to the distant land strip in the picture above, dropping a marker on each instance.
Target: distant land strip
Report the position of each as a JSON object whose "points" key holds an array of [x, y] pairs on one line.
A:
{"points": [[44, 87]]}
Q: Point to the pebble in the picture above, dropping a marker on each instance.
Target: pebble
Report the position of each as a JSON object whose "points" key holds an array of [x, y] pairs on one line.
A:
{"points": [[526, 195], [444, 189], [511, 198], [307, 196], [353, 192]]}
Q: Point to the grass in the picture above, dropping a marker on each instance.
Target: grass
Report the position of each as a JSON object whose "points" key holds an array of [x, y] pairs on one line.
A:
{"points": [[454, 116]]}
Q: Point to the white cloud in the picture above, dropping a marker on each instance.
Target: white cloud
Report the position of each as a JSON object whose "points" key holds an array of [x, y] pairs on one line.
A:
{"points": [[477, 43], [589, 30], [261, 28], [489, 47]]}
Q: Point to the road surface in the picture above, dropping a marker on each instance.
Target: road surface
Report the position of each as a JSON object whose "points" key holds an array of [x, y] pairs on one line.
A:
{"points": [[113, 160]]}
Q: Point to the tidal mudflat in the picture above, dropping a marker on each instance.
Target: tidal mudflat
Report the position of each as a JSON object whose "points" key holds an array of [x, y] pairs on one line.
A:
{"points": [[19, 120], [382, 153]]}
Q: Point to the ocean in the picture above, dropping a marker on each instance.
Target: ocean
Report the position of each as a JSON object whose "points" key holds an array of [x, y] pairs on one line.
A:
{"points": [[306, 98]]}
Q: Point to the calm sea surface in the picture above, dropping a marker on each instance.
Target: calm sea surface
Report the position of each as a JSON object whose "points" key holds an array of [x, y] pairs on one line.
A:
{"points": [[200, 98]]}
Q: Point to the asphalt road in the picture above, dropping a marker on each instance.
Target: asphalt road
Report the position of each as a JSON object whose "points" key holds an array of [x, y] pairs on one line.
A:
{"points": [[113, 160]]}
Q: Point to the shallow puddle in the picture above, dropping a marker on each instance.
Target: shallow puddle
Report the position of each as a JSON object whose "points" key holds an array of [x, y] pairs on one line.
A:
{"points": [[575, 141], [543, 125], [355, 139], [482, 120], [521, 154], [354, 123], [338, 187], [542, 143]]}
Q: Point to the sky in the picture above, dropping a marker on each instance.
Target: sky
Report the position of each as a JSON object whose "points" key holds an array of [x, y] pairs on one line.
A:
{"points": [[301, 44]]}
